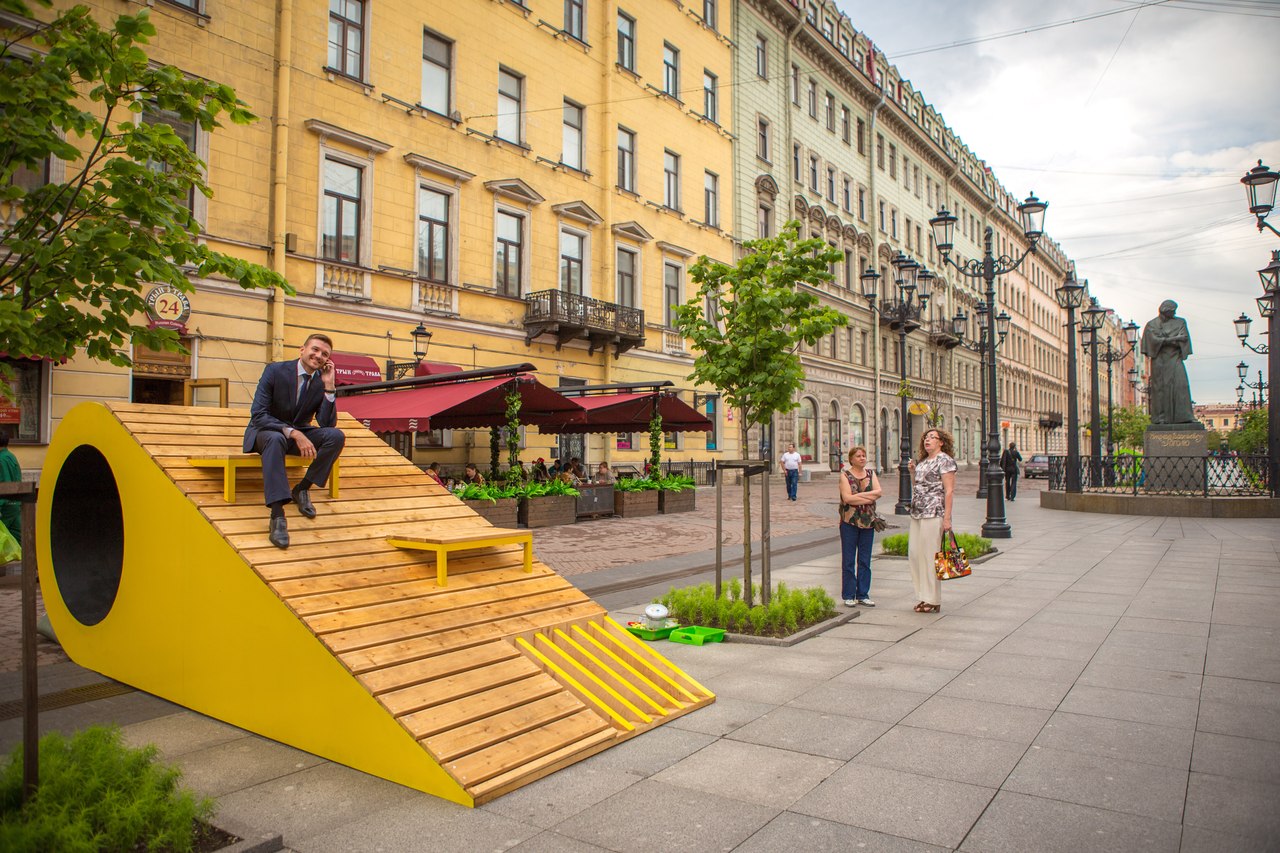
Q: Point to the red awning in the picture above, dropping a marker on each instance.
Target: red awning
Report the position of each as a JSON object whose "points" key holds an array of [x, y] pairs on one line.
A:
{"points": [[355, 369], [435, 368], [457, 405], [630, 413]]}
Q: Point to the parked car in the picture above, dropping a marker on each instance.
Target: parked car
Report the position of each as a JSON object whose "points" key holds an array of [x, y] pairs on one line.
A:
{"points": [[1036, 466]]}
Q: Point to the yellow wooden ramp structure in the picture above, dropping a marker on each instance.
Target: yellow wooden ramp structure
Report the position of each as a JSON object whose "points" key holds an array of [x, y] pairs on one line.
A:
{"points": [[344, 645]]}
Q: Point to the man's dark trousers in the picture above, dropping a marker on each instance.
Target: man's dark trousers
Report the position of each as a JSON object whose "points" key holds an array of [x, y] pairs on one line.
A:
{"points": [[277, 405], [1011, 484]]}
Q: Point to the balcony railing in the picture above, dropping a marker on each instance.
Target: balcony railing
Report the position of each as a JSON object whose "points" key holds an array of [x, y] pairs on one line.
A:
{"points": [[1135, 474], [892, 312], [672, 342], [569, 316], [435, 296], [1051, 420]]}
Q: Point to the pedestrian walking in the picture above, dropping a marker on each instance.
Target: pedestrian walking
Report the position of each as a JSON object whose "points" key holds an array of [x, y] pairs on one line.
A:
{"points": [[859, 488], [792, 465], [10, 472], [931, 497], [1009, 465]]}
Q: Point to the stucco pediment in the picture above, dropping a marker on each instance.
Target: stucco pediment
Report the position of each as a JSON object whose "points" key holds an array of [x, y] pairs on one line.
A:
{"points": [[632, 230], [833, 224], [578, 210], [850, 233], [435, 167], [327, 131], [514, 189], [673, 249], [767, 186], [817, 216], [802, 206]]}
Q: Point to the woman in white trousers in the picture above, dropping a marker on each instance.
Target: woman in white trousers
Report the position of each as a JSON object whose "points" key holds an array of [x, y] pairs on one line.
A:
{"points": [[933, 491]]}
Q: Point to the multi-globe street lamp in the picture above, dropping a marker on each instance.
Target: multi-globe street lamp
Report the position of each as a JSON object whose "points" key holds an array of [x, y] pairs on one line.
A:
{"points": [[1031, 212], [1260, 187], [1242, 370], [1112, 355], [1071, 295], [1091, 322], [982, 348], [903, 314]]}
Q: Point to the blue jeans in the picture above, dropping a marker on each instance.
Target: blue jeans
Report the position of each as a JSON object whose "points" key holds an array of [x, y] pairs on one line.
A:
{"points": [[855, 554], [793, 483]]}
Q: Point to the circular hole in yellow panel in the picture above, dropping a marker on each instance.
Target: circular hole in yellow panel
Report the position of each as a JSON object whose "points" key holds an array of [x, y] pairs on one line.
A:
{"points": [[86, 535]]}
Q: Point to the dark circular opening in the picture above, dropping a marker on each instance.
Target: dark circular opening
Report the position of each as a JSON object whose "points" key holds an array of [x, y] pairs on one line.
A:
{"points": [[86, 535]]}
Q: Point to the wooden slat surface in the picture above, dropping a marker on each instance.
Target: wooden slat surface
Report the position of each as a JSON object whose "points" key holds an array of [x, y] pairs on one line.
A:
{"points": [[440, 659]]}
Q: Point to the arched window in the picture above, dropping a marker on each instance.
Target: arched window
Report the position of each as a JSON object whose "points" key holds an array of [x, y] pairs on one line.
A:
{"points": [[857, 427], [885, 439], [835, 442], [807, 436], [895, 449], [959, 438]]}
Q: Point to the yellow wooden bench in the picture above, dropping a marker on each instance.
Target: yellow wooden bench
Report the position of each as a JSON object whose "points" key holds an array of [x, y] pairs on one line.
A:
{"points": [[232, 462], [464, 540]]}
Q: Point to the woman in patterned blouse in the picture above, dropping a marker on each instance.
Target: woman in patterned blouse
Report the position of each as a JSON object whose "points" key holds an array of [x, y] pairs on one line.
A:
{"points": [[931, 498]]}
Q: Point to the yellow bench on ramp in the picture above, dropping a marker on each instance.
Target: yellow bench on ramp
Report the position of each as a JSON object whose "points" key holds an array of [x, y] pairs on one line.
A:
{"points": [[232, 462], [466, 540]]}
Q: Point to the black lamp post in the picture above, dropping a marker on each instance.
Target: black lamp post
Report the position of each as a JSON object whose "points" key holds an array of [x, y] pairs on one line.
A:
{"points": [[1071, 296], [981, 347], [421, 341], [943, 225], [1260, 386], [1260, 185], [1111, 356], [1091, 322], [904, 313]]}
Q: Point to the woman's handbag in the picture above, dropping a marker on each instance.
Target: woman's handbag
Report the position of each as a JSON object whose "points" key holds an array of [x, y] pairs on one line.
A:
{"points": [[951, 562]]}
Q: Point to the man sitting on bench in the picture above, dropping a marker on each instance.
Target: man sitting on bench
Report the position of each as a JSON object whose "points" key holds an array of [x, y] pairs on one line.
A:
{"points": [[290, 395]]}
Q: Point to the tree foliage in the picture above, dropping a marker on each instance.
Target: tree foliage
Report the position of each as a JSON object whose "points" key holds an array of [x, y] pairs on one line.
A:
{"points": [[1252, 435], [748, 319], [1129, 425], [78, 252]]}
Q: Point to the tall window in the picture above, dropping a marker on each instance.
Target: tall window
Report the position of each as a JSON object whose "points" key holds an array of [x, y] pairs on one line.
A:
{"points": [[831, 184], [844, 125], [626, 160], [571, 251], [346, 37], [862, 204], [862, 137], [671, 180], [627, 41], [795, 162], [813, 172], [813, 98], [509, 246], [711, 198], [671, 275], [571, 150], [710, 109], [573, 15], [795, 84], [893, 161], [712, 412], [762, 142], [848, 195], [626, 267], [764, 221], [183, 128], [437, 71], [510, 105], [671, 70], [433, 234], [762, 56], [340, 240], [830, 108], [880, 151], [882, 217], [709, 13]]}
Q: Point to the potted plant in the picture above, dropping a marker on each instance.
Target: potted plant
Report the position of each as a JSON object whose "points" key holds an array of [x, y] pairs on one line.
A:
{"points": [[548, 504], [635, 497], [496, 503], [676, 493]]}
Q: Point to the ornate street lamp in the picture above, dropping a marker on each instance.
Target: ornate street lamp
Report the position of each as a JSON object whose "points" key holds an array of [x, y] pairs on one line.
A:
{"points": [[1112, 356], [1031, 212], [1260, 188], [903, 315], [1091, 321], [1071, 296], [980, 346], [421, 341]]}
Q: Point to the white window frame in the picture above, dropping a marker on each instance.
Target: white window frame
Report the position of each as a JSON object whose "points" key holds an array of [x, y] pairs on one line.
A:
{"points": [[637, 296], [585, 260], [626, 159], [522, 283], [710, 96], [364, 249], [764, 138], [626, 57], [447, 69], [671, 70], [670, 180], [573, 149], [668, 314], [452, 205], [711, 198], [363, 75], [503, 99], [762, 57]]}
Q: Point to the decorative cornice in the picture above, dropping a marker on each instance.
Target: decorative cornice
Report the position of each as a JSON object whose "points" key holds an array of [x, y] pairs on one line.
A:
{"points": [[514, 189], [349, 137], [579, 211], [631, 230], [673, 249], [426, 164]]}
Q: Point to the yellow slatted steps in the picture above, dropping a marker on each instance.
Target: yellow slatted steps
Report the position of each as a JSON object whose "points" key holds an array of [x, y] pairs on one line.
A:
{"points": [[344, 645]]}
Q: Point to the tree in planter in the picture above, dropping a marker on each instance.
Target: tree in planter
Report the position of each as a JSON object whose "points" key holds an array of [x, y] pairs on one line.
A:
{"points": [[515, 471], [78, 252], [747, 321], [495, 452], [655, 442]]}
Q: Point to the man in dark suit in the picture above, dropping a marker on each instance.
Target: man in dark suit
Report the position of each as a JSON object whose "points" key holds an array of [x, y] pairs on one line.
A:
{"points": [[290, 394], [1009, 465]]}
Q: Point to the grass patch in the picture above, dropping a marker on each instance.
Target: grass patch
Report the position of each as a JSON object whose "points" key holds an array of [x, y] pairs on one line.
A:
{"points": [[98, 794], [974, 546], [789, 610]]}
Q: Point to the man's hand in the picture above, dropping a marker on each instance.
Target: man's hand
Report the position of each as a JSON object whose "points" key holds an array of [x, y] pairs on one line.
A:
{"points": [[305, 447], [330, 382]]}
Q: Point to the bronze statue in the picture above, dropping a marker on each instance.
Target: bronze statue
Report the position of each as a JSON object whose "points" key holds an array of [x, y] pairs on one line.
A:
{"points": [[1167, 343]]}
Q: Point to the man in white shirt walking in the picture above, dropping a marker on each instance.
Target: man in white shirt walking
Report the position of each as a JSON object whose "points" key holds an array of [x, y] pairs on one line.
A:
{"points": [[791, 467]]}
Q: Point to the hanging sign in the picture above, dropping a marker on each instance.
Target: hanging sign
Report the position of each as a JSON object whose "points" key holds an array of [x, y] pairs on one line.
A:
{"points": [[168, 308]]}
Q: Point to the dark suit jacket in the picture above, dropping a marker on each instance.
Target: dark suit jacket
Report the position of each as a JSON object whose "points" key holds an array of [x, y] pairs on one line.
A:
{"points": [[274, 405]]}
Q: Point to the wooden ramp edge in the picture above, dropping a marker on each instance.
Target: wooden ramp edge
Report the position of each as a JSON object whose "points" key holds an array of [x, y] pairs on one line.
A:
{"points": [[342, 645]]}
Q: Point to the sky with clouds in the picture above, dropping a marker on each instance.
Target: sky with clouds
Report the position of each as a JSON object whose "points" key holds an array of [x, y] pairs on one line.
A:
{"points": [[1135, 121]]}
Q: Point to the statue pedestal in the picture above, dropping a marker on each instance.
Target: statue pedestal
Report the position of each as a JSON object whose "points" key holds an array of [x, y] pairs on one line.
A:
{"points": [[1173, 458]]}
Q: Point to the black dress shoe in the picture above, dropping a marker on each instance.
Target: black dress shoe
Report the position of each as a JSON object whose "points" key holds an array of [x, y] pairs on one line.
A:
{"points": [[302, 498], [279, 534]]}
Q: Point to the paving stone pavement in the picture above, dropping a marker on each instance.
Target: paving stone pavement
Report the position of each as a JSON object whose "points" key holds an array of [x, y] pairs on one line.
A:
{"points": [[1106, 683]]}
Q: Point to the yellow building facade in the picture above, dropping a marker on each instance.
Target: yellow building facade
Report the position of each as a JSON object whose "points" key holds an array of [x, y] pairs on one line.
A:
{"points": [[530, 181]]}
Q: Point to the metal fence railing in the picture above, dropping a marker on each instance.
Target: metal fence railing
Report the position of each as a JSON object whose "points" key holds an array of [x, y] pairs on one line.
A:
{"points": [[1135, 474]]}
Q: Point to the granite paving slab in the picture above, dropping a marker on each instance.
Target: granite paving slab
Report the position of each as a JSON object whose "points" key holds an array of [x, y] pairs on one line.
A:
{"points": [[1018, 823], [1124, 740], [749, 772], [1106, 783]]}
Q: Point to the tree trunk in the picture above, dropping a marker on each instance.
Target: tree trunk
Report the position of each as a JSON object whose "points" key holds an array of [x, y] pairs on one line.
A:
{"points": [[743, 427]]}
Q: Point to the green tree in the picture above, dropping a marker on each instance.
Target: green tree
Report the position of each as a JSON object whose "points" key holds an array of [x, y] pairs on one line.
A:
{"points": [[79, 251], [746, 323], [1129, 425], [1252, 435]]}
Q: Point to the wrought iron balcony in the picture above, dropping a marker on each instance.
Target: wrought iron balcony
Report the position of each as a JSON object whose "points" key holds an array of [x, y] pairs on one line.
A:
{"points": [[940, 333], [1051, 420], [895, 312], [569, 317]]}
